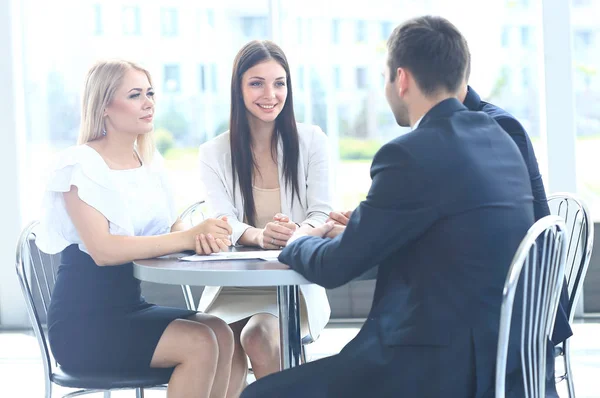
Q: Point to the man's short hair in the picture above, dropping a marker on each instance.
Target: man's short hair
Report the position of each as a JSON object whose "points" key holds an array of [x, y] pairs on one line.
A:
{"points": [[433, 50]]}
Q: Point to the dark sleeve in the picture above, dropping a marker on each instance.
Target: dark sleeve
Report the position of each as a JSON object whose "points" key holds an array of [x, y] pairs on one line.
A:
{"points": [[520, 137], [398, 208]]}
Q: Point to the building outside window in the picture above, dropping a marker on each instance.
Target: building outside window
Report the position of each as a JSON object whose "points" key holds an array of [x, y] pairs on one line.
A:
{"points": [[172, 78], [169, 24], [132, 24]]}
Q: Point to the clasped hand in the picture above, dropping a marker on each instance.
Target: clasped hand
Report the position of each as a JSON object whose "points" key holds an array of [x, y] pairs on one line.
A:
{"points": [[211, 236], [276, 233]]}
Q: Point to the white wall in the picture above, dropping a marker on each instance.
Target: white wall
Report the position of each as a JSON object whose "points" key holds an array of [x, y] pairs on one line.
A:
{"points": [[12, 308]]}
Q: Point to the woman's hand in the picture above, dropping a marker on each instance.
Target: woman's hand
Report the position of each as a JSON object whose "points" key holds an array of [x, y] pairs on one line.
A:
{"points": [[211, 236], [207, 244], [276, 233], [340, 217]]}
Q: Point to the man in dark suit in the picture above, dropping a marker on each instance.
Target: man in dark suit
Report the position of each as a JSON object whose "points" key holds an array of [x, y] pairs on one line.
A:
{"points": [[472, 100], [448, 206]]}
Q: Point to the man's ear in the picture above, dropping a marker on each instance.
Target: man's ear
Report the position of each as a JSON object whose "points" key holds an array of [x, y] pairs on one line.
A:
{"points": [[402, 79]]}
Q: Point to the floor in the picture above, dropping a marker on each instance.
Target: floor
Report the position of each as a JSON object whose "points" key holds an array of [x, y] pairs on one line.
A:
{"points": [[21, 372]]}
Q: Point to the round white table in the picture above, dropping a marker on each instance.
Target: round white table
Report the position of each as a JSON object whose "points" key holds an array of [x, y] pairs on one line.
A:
{"points": [[172, 271]]}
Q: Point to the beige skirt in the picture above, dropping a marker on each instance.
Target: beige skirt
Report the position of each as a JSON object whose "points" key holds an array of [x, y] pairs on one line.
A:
{"points": [[236, 303]]}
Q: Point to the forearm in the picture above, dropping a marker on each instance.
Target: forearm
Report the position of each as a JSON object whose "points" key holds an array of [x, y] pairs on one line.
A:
{"points": [[115, 250], [250, 237], [316, 260]]}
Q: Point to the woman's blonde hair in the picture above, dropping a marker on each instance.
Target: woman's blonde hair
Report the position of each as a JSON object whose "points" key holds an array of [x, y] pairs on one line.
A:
{"points": [[101, 83]]}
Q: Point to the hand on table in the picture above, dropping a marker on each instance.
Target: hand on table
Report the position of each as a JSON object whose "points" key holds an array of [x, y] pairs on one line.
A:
{"points": [[276, 233], [211, 236]]}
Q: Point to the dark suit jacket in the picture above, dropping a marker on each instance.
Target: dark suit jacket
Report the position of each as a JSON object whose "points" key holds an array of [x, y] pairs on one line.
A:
{"points": [[562, 329], [448, 206]]}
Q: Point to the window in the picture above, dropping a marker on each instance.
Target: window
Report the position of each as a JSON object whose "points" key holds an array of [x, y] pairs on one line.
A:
{"points": [[526, 74], [208, 78], [202, 78], [583, 39], [526, 39], [213, 77], [585, 19], [361, 78], [386, 29], [255, 27], [337, 78], [505, 38], [131, 21], [172, 78], [98, 26], [361, 31], [300, 78], [210, 17], [581, 3], [517, 3], [169, 23], [300, 31], [335, 31]]}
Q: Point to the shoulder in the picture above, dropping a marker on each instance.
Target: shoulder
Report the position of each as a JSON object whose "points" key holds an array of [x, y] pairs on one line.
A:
{"points": [[310, 134], [82, 158], [218, 145], [79, 154], [397, 153], [507, 121]]}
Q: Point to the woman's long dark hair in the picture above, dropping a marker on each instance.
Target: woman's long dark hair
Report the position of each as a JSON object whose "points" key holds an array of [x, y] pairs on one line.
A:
{"points": [[242, 159]]}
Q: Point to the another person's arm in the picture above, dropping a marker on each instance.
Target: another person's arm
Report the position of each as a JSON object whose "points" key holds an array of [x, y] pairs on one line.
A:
{"points": [[107, 249], [518, 134], [388, 220]]}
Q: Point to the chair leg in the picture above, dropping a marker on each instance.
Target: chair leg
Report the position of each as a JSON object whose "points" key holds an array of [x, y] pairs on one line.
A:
{"points": [[48, 389], [568, 371], [303, 353], [139, 393]]}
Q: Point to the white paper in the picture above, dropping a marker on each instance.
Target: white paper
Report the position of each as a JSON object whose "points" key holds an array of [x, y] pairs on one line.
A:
{"points": [[227, 256]]}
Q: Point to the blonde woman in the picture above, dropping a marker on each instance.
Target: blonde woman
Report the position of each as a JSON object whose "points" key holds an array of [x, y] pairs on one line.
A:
{"points": [[107, 203]]}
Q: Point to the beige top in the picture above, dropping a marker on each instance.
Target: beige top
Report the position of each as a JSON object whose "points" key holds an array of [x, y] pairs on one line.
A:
{"points": [[267, 203]]}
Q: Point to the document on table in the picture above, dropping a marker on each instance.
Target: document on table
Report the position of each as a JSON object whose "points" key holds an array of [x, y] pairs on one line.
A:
{"points": [[268, 255]]}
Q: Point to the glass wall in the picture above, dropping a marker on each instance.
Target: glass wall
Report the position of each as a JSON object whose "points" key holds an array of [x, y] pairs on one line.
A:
{"points": [[585, 20], [336, 54]]}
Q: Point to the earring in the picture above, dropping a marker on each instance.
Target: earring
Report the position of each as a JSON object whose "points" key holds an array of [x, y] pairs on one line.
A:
{"points": [[103, 131]]}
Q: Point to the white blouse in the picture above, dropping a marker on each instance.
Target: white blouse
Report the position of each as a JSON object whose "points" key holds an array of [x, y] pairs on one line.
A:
{"points": [[136, 202]]}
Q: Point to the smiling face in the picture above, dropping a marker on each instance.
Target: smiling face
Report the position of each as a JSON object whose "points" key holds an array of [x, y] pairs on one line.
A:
{"points": [[264, 90], [131, 110]]}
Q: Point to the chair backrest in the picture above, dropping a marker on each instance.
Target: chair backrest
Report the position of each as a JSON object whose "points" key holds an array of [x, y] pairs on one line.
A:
{"points": [[537, 269], [36, 272], [193, 214], [580, 240]]}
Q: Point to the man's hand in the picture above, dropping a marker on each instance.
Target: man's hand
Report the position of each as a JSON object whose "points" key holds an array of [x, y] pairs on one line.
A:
{"points": [[335, 231], [307, 230], [340, 217]]}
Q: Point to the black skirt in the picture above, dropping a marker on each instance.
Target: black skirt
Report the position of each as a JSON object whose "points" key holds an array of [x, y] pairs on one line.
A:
{"points": [[98, 320]]}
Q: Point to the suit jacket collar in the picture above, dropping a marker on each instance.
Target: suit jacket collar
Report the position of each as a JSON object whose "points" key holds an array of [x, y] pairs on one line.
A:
{"points": [[444, 108], [472, 100]]}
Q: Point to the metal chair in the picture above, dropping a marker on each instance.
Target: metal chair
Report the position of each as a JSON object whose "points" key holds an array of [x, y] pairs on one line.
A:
{"points": [[538, 269], [188, 216], [580, 240], [188, 296], [36, 272]]}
